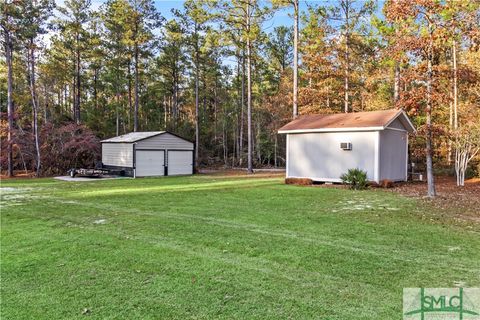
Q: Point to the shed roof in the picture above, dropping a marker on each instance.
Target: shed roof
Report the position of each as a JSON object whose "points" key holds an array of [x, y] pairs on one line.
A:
{"points": [[134, 136], [358, 121]]}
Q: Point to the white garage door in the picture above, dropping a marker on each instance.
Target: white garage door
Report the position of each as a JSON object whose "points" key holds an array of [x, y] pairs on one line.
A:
{"points": [[150, 163], [180, 162]]}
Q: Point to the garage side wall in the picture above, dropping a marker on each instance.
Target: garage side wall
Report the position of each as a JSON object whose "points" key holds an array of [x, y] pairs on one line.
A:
{"points": [[165, 141], [117, 154], [318, 156], [393, 155]]}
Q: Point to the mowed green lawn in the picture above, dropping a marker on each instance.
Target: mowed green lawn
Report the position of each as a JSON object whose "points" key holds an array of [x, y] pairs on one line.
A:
{"points": [[206, 247]]}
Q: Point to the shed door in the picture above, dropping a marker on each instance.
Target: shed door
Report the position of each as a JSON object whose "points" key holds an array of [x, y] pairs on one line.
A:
{"points": [[150, 163], [180, 162]]}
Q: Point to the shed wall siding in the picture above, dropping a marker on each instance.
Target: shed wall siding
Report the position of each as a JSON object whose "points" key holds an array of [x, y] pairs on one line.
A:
{"points": [[318, 155], [117, 154], [393, 155], [164, 142]]}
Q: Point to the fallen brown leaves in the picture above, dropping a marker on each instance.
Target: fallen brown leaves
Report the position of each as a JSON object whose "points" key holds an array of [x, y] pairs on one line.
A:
{"points": [[459, 202]]}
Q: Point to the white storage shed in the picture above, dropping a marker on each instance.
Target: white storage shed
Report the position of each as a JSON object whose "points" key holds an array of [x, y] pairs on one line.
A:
{"points": [[324, 146], [148, 154]]}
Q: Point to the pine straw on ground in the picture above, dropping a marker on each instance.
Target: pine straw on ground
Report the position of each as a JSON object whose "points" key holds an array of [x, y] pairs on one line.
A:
{"points": [[18, 174], [461, 202]]}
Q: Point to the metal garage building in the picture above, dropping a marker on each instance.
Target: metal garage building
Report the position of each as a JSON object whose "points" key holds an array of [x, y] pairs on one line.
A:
{"points": [[148, 154], [324, 146]]}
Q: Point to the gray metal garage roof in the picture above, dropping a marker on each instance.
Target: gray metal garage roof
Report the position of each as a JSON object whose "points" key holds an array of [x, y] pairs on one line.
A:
{"points": [[134, 136]]}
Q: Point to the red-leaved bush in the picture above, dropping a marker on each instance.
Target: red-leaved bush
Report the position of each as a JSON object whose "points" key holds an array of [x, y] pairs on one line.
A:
{"points": [[62, 147], [68, 146]]}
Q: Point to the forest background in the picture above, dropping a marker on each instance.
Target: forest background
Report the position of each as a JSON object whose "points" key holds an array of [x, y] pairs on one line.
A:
{"points": [[228, 74]]}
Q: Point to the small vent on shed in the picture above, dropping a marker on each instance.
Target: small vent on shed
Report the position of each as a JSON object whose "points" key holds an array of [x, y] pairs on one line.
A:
{"points": [[346, 145]]}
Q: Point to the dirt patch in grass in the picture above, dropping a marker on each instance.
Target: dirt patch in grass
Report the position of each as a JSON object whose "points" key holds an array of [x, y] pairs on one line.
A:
{"points": [[460, 202], [299, 181], [13, 196]]}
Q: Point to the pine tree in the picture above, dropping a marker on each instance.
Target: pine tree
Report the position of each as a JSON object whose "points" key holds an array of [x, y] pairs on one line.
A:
{"points": [[73, 34], [34, 18]]}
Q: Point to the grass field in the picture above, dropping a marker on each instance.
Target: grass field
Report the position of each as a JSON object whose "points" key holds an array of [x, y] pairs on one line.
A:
{"points": [[207, 247]]}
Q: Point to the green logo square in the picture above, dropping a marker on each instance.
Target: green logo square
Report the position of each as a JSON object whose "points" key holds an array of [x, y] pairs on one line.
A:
{"points": [[441, 303]]}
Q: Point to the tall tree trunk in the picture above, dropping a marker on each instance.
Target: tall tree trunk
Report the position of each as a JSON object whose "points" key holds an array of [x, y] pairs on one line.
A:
{"points": [[204, 103], [9, 58], [165, 112], [242, 111], [130, 104], [454, 105], [239, 92], [215, 107], [234, 146], [135, 112], [117, 120], [117, 106], [347, 57], [257, 141], [396, 85], [46, 93], [451, 104], [170, 110], [346, 80], [275, 150], [95, 89], [65, 97], [450, 124], [60, 102], [197, 125], [455, 87], [78, 83], [224, 139], [73, 93], [430, 177], [33, 92], [295, 59], [175, 100], [249, 94]]}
